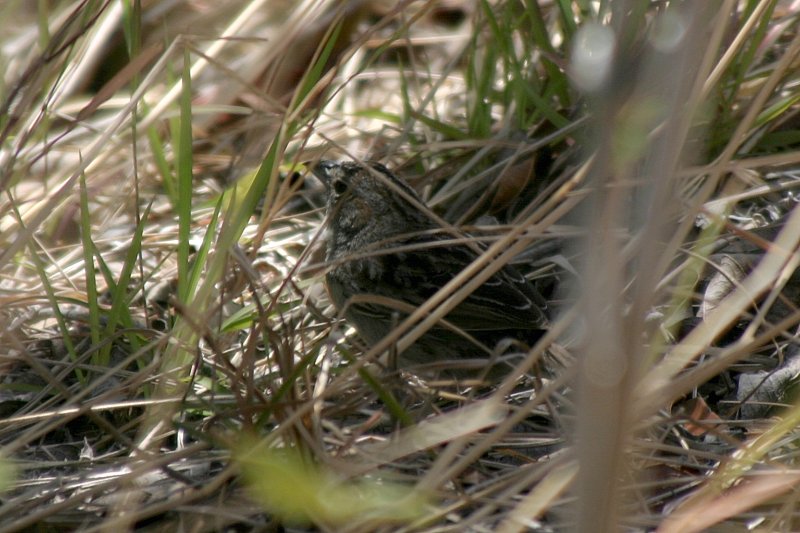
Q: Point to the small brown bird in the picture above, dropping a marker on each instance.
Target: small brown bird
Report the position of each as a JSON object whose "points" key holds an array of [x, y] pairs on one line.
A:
{"points": [[380, 244]]}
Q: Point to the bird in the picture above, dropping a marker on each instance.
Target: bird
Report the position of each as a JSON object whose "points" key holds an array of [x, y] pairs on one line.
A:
{"points": [[383, 247]]}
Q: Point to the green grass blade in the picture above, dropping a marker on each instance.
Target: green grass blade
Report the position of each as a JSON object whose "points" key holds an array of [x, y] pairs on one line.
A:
{"points": [[119, 314], [88, 265], [184, 171]]}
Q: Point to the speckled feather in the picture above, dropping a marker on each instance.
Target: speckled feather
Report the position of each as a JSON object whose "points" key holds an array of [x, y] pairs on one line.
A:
{"points": [[379, 243]]}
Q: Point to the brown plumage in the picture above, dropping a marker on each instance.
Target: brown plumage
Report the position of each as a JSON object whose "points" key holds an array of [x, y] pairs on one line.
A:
{"points": [[380, 244]]}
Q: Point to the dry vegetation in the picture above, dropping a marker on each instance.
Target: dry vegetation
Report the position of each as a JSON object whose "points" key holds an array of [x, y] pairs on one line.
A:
{"points": [[170, 359]]}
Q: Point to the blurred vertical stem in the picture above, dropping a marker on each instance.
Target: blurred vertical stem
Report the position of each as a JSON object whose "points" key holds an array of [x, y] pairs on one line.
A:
{"points": [[642, 106]]}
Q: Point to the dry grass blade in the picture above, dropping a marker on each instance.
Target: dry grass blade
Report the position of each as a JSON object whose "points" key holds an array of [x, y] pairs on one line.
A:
{"points": [[162, 271], [698, 514]]}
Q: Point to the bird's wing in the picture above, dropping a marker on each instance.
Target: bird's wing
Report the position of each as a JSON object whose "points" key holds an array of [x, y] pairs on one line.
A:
{"points": [[506, 300]]}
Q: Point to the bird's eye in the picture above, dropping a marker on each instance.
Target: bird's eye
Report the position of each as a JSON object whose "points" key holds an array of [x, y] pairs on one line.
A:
{"points": [[339, 187]]}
